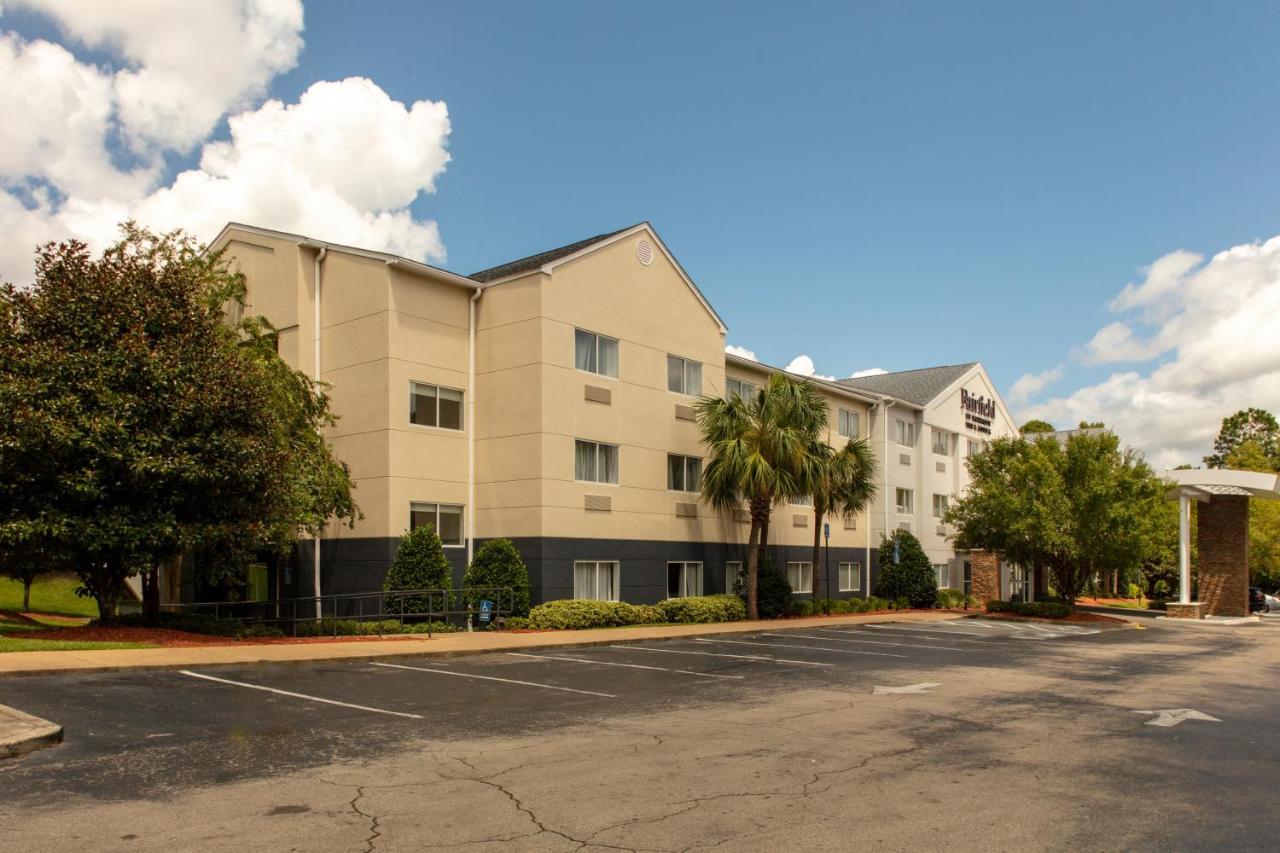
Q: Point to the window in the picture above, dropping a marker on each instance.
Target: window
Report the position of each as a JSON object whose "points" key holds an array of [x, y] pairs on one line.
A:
{"points": [[683, 473], [850, 577], [848, 423], [597, 581], [684, 376], [975, 447], [732, 574], [906, 501], [445, 519], [738, 388], [940, 505], [941, 442], [596, 463], [800, 576], [433, 406], [940, 574], [904, 432], [595, 353], [684, 579]]}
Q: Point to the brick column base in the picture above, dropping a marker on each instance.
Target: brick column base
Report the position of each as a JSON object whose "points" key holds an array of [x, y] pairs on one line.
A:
{"points": [[1222, 537], [985, 573], [1194, 610]]}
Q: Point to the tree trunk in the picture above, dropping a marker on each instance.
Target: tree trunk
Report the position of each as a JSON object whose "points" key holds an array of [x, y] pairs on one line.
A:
{"points": [[26, 594], [817, 550], [753, 563], [151, 593]]}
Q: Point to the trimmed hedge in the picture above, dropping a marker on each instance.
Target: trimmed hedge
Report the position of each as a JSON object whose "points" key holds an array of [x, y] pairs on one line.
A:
{"points": [[1047, 609], [573, 614], [703, 608], [950, 598], [836, 606], [355, 628]]}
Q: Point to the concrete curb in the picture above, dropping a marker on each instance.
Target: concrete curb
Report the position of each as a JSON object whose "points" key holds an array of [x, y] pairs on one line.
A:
{"points": [[112, 660], [22, 733]]}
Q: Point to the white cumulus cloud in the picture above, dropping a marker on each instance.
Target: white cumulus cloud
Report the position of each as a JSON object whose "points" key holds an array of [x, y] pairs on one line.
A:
{"points": [[871, 371], [740, 352], [83, 145], [802, 365], [1030, 384], [1212, 328]]}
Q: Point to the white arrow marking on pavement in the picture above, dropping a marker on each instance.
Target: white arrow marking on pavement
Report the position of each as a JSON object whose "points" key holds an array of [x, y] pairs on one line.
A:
{"points": [[922, 687], [1169, 717]]}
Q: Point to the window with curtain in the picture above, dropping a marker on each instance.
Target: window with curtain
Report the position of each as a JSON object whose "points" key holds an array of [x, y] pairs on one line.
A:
{"points": [[850, 577], [435, 406], [941, 442], [905, 501], [904, 433], [848, 424], [445, 519], [596, 580], [684, 376], [940, 570], [684, 579], [738, 388], [595, 353], [800, 576], [595, 462], [684, 473], [940, 503], [732, 573]]}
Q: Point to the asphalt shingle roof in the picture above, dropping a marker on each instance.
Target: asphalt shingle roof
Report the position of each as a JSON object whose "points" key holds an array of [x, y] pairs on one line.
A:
{"points": [[534, 261], [914, 386]]}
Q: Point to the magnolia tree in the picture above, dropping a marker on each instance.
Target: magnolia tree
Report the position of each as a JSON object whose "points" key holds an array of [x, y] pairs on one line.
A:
{"points": [[141, 418]]}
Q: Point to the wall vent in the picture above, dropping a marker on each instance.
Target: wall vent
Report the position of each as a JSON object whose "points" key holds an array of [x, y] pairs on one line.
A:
{"points": [[742, 516], [799, 520], [851, 523], [904, 525], [686, 510], [941, 467], [598, 503], [685, 413], [596, 394], [904, 458], [942, 530], [644, 252]]}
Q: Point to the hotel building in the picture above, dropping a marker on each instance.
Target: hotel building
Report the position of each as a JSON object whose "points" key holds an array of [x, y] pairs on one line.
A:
{"points": [[551, 400]]}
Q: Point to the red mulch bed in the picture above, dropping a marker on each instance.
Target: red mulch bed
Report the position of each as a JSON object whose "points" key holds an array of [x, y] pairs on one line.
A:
{"points": [[167, 637]]}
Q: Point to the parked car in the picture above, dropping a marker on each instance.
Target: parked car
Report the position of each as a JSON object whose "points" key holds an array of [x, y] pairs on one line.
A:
{"points": [[1273, 604], [1258, 600]]}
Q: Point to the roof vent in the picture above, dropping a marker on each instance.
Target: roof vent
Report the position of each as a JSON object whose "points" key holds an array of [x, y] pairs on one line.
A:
{"points": [[644, 252]]}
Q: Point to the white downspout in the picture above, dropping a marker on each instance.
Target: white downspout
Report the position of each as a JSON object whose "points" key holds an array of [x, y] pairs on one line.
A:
{"points": [[471, 427], [315, 550]]}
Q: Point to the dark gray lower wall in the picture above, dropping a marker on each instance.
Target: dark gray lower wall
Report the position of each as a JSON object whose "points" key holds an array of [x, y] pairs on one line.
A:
{"points": [[360, 565]]}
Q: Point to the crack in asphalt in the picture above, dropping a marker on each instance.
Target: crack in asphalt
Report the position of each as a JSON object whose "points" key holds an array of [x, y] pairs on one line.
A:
{"points": [[374, 832]]}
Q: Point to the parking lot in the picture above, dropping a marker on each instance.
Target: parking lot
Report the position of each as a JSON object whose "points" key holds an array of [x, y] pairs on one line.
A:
{"points": [[799, 732]]}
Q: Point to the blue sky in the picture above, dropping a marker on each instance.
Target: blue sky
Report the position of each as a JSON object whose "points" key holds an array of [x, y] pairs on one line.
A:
{"points": [[875, 185]]}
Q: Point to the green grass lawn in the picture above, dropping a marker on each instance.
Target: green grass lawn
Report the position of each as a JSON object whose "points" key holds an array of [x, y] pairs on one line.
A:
{"points": [[14, 644], [49, 594]]}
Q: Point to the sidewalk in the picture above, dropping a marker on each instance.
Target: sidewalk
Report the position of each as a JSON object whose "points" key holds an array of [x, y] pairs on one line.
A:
{"points": [[21, 733], [105, 660]]}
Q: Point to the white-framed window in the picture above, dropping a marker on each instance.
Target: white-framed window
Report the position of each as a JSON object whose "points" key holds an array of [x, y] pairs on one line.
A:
{"points": [[594, 462], [446, 519], [940, 503], [732, 571], [595, 353], [435, 406], [800, 576], [940, 572], [904, 432], [684, 473], [684, 376], [849, 424], [906, 501], [850, 577], [684, 579], [597, 580], [738, 388], [941, 442]]}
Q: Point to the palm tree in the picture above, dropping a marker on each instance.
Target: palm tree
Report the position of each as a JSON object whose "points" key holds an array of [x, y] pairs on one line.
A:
{"points": [[759, 451], [842, 481]]}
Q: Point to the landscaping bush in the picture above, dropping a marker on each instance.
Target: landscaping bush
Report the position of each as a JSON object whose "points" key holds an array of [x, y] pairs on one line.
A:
{"points": [[950, 598], [419, 564], [773, 592], [193, 622], [703, 608], [356, 628], [574, 614], [1047, 609], [874, 603], [912, 577], [497, 563], [516, 623], [1134, 591], [800, 607]]}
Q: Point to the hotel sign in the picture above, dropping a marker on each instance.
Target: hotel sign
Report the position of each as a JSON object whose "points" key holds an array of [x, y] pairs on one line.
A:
{"points": [[979, 412]]}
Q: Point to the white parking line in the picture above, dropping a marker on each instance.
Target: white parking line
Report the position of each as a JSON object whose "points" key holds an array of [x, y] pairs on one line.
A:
{"points": [[721, 655], [794, 646], [299, 695], [628, 665], [495, 678], [865, 642], [953, 636]]}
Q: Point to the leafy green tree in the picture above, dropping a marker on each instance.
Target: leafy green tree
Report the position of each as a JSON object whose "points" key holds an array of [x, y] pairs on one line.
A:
{"points": [[419, 563], [842, 482], [1035, 425], [1257, 425], [497, 563], [1264, 516], [759, 452], [140, 419], [25, 561], [912, 577]]}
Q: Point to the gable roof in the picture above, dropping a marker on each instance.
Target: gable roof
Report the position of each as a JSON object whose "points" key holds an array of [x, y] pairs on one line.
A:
{"points": [[915, 386], [533, 262]]}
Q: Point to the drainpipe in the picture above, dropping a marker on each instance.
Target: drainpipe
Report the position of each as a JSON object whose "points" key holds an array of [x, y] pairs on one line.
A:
{"points": [[471, 426], [315, 550]]}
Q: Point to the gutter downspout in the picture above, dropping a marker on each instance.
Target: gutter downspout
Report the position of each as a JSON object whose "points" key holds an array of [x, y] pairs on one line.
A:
{"points": [[886, 403], [315, 549], [471, 426]]}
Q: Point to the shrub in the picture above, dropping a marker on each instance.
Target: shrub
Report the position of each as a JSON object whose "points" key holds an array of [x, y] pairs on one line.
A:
{"points": [[912, 577], [516, 623], [1049, 609], [773, 592], [873, 603], [419, 564], [950, 598], [703, 608], [1134, 591], [357, 628], [800, 607], [574, 614], [497, 563]]}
